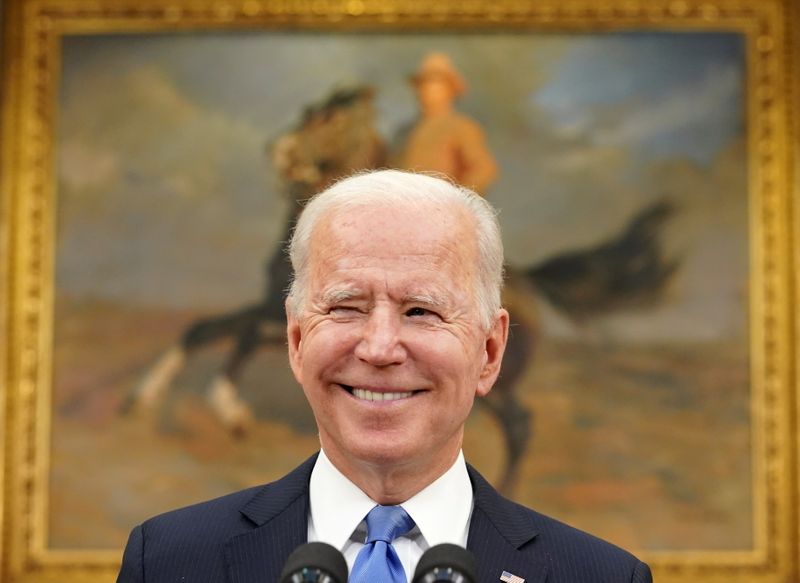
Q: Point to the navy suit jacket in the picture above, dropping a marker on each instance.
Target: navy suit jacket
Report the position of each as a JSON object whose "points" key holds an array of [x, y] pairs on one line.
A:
{"points": [[246, 537]]}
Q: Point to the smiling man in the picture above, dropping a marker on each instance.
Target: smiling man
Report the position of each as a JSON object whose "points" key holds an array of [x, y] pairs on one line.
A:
{"points": [[394, 328]]}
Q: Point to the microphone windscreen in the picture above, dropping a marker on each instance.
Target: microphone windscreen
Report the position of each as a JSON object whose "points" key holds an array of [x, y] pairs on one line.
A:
{"points": [[315, 562], [447, 563]]}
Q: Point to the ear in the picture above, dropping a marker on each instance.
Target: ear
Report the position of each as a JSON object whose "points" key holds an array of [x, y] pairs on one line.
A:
{"points": [[493, 350], [294, 341]]}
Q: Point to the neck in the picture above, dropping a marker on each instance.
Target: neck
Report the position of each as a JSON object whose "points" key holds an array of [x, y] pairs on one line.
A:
{"points": [[393, 482], [437, 110]]}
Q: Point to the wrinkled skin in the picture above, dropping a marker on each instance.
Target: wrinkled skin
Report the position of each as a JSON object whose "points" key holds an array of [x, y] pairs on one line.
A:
{"points": [[391, 309]]}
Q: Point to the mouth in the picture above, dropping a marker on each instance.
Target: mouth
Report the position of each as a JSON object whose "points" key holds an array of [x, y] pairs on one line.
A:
{"points": [[367, 395]]}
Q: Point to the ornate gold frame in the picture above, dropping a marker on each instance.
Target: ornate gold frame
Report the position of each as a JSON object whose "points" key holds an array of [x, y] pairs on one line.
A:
{"points": [[27, 196]]}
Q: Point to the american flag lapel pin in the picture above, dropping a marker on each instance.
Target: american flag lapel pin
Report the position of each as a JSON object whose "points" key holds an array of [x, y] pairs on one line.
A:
{"points": [[507, 577]]}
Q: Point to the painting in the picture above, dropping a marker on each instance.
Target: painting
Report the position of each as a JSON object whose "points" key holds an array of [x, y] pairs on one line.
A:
{"points": [[635, 400]]}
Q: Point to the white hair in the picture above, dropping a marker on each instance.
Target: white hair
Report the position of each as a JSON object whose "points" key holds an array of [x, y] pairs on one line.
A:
{"points": [[396, 188]]}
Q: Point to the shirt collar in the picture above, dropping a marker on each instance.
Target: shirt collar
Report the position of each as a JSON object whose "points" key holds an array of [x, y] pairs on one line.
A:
{"points": [[337, 505], [441, 510]]}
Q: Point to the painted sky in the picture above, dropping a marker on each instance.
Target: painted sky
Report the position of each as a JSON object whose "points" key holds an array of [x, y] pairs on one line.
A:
{"points": [[166, 197]]}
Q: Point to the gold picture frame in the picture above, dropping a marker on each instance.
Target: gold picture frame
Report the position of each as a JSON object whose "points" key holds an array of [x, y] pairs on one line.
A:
{"points": [[32, 33]]}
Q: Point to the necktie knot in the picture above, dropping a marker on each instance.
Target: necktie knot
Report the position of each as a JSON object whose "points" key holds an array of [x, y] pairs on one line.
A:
{"points": [[378, 562], [386, 523]]}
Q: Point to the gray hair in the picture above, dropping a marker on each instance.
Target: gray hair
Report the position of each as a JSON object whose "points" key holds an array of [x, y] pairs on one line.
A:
{"points": [[393, 187]]}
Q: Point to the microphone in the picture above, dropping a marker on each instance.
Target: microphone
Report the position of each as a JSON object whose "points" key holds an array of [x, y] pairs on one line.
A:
{"points": [[315, 563], [446, 563]]}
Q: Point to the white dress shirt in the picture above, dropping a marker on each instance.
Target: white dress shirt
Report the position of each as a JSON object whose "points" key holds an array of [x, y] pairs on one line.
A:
{"points": [[338, 508]]}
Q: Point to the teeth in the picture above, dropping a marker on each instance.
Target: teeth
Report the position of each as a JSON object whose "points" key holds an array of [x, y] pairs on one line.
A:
{"points": [[372, 396]]}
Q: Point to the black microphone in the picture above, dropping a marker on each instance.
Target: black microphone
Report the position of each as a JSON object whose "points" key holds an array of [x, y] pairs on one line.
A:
{"points": [[315, 563], [447, 563]]}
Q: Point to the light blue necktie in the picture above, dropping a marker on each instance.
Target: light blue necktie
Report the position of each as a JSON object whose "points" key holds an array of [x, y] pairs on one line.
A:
{"points": [[378, 562]]}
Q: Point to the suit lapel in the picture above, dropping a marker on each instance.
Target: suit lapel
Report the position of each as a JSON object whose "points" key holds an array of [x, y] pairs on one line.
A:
{"points": [[278, 514], [501, 536]]}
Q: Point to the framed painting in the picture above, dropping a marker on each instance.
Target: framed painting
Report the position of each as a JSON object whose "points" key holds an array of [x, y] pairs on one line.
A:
{"points": [[642, 155]]}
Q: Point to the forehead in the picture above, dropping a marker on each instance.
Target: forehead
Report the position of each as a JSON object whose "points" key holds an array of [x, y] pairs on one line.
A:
{"points": [[427, 234]]}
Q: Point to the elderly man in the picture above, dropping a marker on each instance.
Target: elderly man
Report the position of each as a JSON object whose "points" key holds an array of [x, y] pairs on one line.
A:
{"points": [[394, 327]]}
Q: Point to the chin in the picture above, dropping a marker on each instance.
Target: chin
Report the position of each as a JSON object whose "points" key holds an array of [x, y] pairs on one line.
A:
{"points": [[383, 452]]}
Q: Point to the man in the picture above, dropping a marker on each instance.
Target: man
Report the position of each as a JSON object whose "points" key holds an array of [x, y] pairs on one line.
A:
{"points": [[394, 327], [444, 140]]}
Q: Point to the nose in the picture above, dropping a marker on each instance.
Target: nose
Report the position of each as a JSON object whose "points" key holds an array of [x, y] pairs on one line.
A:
{"points": [[380, 343]]}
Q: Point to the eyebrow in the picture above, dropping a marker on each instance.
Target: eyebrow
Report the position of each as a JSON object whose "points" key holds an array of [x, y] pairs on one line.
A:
{"points": [[425, 299], [334, 296]]}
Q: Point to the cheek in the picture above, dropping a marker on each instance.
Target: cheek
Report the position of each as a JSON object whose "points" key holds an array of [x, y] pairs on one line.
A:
{"points": [[324, 348], [456, 360]]}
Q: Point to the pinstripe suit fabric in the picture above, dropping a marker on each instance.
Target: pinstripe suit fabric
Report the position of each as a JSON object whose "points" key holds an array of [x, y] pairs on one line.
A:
{"points": [[246, 537]]}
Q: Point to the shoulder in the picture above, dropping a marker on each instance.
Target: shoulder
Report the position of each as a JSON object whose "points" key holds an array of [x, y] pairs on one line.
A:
{"points": [[209, 524], [184, 542], [218, 516], [190, 543], [569, 545], [464, 123], [569, 554]]}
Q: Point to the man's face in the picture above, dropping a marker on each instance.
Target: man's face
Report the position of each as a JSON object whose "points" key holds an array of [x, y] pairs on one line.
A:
{"points": [[434, 93], [389, 348]]}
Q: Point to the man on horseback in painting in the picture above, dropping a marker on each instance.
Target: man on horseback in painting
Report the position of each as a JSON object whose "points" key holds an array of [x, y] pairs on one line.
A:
{"points": [[444, 140]]}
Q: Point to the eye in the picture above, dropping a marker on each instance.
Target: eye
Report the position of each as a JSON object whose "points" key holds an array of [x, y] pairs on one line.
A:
{"points": [[416, 312]]}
